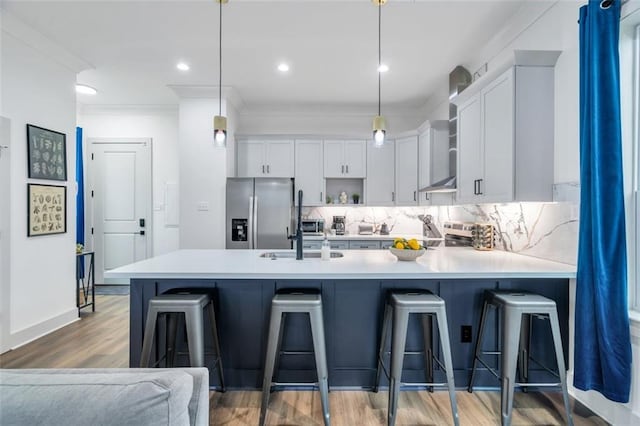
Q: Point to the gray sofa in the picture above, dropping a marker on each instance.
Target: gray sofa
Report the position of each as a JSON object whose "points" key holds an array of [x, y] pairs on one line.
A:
{"points": [[127, 396]]}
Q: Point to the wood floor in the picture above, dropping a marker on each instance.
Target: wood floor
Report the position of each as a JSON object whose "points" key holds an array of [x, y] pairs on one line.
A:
{"points": [[100, 339]]}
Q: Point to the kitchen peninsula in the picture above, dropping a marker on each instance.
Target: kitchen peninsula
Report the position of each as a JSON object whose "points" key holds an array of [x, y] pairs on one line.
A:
{"points": [[353, 290]]}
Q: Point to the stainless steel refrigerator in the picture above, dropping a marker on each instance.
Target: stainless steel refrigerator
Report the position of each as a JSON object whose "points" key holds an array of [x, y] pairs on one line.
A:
{"points": [[259, 213]]}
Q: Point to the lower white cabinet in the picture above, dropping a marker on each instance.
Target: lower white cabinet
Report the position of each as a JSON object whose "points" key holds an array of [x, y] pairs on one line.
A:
{"points": [[364, 245], [339, 245]]}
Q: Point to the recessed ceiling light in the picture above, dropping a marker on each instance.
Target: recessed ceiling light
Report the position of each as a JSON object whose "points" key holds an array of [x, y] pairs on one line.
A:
{"points": [[85, 90], [383, 68], [283, 67], [182, 66]]}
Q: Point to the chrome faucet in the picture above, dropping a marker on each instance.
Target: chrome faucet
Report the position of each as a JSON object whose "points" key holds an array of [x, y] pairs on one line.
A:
{"points": [[297, 237]]}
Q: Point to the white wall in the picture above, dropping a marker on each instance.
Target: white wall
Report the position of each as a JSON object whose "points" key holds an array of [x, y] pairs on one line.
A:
{"points": [[40, 91], [161, 125], [203, 174], [325, 120]]}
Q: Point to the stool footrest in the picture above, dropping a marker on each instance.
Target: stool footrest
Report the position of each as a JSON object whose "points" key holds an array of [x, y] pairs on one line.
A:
{"points": [[538, 385], [421, 385], [283, 384], [295, 353]]}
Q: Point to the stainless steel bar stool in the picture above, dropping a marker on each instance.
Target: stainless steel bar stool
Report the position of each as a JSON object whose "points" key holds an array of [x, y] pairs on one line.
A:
{"points": [[192, 306], [517, 309], [301, 303], [399, 306]]}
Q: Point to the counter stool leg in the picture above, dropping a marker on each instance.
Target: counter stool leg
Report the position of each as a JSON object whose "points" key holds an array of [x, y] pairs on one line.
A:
{"points": [[443, 329], [276, 362], [216, 344], [269, 362], [398, 343], [195, 337], [427, 332], [510, 342], [557, 343], [317, 332], [523, 356], [383, 343], [149, 334], [478, 346], [172, 331]]}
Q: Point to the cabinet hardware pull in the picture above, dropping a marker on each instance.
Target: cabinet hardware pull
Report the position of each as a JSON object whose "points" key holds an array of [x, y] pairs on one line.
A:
{"points": [[393, 196], [342, 169], [347, 167], [268, 170], [263, 169], [479, 187], [320, 197], [414, 196], [475, 187], [426, 196]]}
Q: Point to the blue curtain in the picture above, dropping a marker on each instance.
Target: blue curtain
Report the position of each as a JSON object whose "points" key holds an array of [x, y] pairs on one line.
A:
{"points": [[602, 342], [80, 182]]}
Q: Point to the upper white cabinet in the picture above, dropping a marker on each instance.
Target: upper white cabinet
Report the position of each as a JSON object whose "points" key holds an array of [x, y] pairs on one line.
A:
{"points": [[309, 175], [345, 159], [505, 138], [380, 183], [406, 166], [272, 158]]}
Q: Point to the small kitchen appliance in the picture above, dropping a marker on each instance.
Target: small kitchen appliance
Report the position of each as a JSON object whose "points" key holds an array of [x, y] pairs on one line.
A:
{"points": [[339, 224], [458, 234], [384, 229], [313, 226], [365, 229]]}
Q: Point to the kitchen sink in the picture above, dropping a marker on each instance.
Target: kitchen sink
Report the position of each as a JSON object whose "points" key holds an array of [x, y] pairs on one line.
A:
{"points": [[274, 255]]}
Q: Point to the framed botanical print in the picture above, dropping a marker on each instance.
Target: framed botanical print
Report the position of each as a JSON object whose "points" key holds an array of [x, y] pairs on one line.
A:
{"points": [[47, 209], [47, 153]]}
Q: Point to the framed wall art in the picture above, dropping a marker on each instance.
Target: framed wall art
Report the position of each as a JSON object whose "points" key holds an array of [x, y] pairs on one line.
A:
{"points": [[47, 153], [47, 209]]}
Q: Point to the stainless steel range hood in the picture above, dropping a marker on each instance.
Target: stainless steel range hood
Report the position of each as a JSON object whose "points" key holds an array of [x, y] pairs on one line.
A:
{"points": [[459, 79]]}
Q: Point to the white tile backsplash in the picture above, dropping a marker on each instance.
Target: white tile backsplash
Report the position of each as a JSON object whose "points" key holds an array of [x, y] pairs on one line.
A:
{"points": [[545, 230]]}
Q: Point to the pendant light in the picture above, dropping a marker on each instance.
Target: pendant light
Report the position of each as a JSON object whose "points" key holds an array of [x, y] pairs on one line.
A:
{"points": [[220, 121], [379, 123]]}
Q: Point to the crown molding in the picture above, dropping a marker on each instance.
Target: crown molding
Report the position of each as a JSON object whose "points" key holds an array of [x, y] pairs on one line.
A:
{"points": [[208, 92], [17, 29], [92, 109]]}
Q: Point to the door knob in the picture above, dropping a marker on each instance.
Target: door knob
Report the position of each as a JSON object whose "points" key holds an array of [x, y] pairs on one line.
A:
{"points": [[142, 232]]}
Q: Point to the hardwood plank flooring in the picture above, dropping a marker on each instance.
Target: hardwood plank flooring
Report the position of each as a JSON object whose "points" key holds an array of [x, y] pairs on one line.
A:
{"points": [[101, 339]]}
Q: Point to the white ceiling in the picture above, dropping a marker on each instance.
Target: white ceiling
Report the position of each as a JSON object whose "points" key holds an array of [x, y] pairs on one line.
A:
{"points": [[330, 45]]}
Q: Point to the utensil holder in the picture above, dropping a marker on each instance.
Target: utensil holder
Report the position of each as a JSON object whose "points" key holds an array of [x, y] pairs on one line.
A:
{"points": [[483, 236]]}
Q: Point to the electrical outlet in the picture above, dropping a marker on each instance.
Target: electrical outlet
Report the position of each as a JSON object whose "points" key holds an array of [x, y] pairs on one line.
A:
{"points": [[466, 334]]}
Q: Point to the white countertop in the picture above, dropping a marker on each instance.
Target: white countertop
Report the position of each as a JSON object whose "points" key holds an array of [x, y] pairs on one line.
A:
{"points": [[377, 237], [439, 263]]}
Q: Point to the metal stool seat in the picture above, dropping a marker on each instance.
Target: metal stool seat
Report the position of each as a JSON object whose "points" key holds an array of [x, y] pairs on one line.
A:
{"points": [[517, 309], [397, 310], [296, 303], [191, 305]]}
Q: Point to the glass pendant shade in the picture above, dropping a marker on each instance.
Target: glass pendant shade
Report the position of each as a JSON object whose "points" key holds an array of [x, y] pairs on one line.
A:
{"points": [[379, 130], [220, 130]]}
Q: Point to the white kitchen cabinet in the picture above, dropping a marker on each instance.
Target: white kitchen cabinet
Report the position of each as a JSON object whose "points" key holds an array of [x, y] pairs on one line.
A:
{"points": [[309, 174], [380, 182], [505, 138], [406, 165], [344, 159], [271, 158], [433, 163]]}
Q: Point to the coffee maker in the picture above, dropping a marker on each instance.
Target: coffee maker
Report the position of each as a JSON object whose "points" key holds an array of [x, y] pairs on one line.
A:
{"points": [[339, 224]]}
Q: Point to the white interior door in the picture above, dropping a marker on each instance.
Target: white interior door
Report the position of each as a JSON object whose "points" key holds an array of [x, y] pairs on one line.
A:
{"points": [[121, 203], [5, 142]]}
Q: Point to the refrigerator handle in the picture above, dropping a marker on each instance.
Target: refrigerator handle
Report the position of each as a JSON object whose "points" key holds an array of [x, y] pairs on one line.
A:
{"points": [[251, 224], [255, 223]]}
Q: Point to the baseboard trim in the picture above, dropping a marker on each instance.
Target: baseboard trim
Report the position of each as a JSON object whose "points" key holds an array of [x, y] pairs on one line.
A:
{"points": [[613, 412], [27, 335]]}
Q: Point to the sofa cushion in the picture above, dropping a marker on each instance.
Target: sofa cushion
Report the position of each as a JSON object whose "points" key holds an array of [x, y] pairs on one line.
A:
{"points": [[79, 397]]}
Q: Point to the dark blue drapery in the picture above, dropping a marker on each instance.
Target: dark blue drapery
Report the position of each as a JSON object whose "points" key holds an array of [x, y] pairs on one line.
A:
{"points": [[80, 182], [602, 359]]}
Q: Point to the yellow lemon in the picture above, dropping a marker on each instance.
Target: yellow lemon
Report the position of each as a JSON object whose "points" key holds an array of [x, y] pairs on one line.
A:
{"points": [[399, 245], [414, 244]]}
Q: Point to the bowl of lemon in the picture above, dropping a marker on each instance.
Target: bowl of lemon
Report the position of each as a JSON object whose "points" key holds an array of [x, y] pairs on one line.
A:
{"points": [[407, 250]]}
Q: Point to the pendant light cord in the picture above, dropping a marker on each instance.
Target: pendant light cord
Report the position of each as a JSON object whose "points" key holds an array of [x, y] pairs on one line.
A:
{"points": [[379, 52], [220, 63]]}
